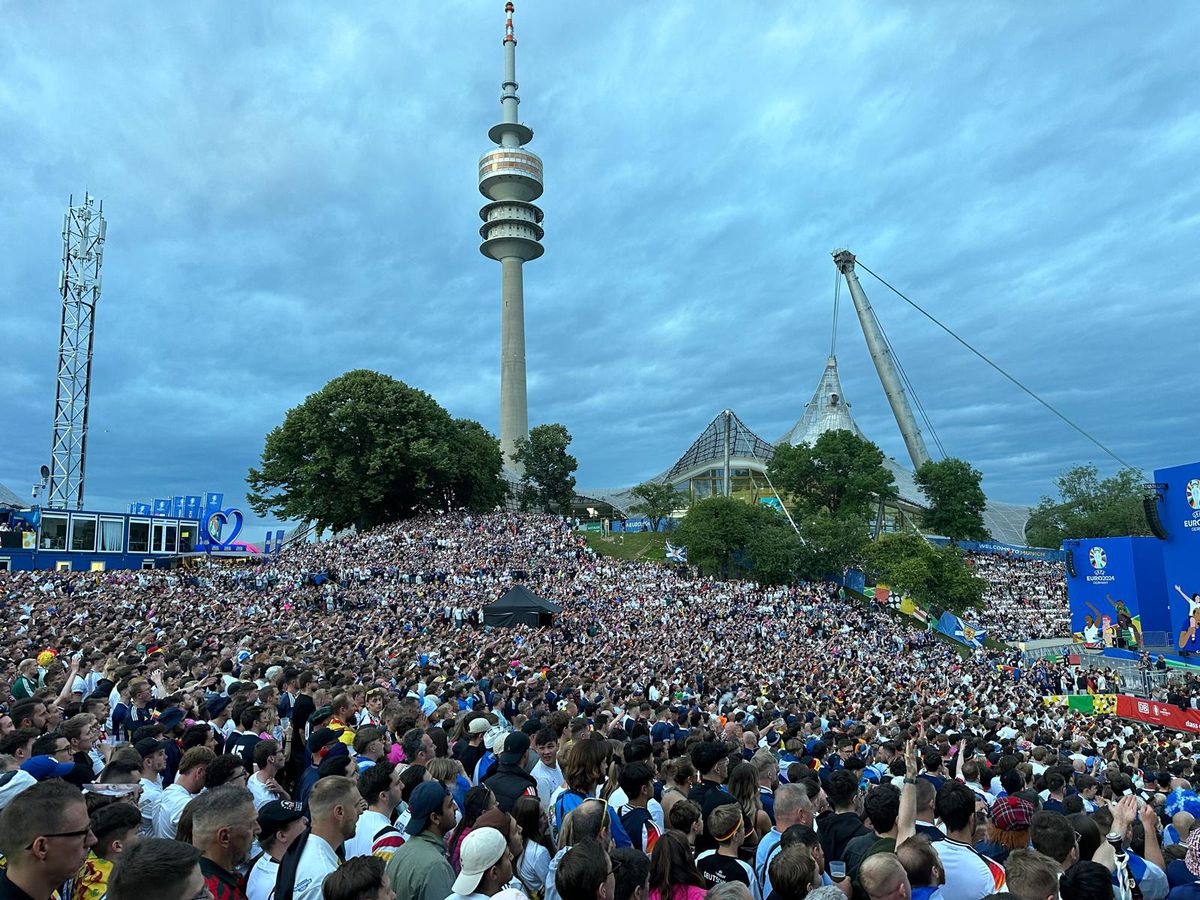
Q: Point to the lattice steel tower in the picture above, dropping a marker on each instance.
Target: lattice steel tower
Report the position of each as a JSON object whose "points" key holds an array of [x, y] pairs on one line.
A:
{"points": [[511, 177], [79, 284]]}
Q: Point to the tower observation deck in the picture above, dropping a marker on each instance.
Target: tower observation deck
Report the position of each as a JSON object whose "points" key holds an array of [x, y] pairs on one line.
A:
{"points": [[510, 177]]}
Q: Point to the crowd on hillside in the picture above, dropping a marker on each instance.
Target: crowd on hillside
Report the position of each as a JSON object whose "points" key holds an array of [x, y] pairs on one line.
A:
{"points": [[1025, 599], [337, 722]]}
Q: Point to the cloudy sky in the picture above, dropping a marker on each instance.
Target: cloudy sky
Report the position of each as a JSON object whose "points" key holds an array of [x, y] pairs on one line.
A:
{"points": [[290, 193]]}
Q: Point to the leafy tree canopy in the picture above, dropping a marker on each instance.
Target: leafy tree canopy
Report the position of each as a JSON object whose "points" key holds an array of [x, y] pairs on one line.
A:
{"points": [[840, 473], [1089, 507], [729, 538], [830, 543], [367, 449], [939, 576], [549, 480], [956, 501], [657, 501]]}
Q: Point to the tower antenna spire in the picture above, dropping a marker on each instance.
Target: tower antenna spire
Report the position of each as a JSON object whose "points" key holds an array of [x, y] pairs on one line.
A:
{"points": [[510, 177]]}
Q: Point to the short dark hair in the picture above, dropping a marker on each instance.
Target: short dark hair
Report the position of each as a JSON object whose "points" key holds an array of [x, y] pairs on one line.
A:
{"points": [[23, 709], [1051, 833], [374, 780], [46, 744], [882, 806], [110, 821], [634, 777], [15, 740], [841, 788], [359, 877], [631, 868], [955, 805], [1084, 880], [221, 769], [36, 811], [152, 868], [545, 736], [581, 871]]}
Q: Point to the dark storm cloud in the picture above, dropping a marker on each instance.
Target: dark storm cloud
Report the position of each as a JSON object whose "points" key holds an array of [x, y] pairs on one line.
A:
{"points": [[290, 193]]}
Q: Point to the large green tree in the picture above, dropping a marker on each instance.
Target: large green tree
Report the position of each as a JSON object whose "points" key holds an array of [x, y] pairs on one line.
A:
{"points": [[830, 542], [367, 449], [938, 576], [657, 501], [840, 473], [549, 480], [1089, 506], [730, 538], [956, 501]]}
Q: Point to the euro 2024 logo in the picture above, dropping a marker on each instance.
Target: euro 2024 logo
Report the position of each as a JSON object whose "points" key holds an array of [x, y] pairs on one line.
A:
{"points": [[1193, 493], [1097, 557]]}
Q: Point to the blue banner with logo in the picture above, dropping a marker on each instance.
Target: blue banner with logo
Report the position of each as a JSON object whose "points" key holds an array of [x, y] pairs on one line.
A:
{"points": [[191, 506], [162, 507], [1179, 511], [1117, 583], [955, 628]]}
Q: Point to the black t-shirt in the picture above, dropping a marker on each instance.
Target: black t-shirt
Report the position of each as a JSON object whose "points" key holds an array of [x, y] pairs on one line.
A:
{"points": [[9, 891], [718, 869]]}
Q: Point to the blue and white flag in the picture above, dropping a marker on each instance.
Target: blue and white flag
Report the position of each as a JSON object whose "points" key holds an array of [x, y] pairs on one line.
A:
{"points": [[676, 554]]}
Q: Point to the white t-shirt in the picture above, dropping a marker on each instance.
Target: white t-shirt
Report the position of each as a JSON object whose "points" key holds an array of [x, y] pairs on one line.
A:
{"points": [[151, 798], [170, 808], [258, 788], [317, 861], [370, 823], [533, 867], [969, 875], [548, 780], [261, 883]]}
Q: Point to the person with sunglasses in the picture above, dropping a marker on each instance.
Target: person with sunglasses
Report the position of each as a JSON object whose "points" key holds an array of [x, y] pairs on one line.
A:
{"points": [[45, 835]]}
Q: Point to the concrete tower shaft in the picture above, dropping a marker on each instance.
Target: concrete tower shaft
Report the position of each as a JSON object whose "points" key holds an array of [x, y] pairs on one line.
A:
{"points": [[881, 355], [510, 177]]}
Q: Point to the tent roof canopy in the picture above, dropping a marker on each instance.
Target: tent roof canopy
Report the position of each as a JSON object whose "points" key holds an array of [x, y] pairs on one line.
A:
{"points": [[520, 597]]}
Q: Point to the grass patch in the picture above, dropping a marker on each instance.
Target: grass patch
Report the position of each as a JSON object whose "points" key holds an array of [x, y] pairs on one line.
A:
{"points": [[635, 545]]}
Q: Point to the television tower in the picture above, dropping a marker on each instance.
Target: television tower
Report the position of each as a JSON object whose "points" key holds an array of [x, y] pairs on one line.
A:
{"points": [[79, 284], [511, 178]]}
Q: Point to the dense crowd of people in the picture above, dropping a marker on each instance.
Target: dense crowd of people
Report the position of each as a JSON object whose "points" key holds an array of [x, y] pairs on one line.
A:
{"points": [[1025, 599], [338, 722]]}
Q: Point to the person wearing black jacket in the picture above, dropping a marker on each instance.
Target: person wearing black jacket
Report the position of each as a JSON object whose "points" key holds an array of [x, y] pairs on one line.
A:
{"points": [[712, 762], [838, 828], [510, 780]]}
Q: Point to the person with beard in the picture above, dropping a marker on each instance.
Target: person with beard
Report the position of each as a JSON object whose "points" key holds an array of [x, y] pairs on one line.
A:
{"points": [[334, 810], [224, 826]]}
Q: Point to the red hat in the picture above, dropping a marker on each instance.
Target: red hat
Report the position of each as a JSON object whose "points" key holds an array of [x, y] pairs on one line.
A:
{"points": [[1012, 813]]}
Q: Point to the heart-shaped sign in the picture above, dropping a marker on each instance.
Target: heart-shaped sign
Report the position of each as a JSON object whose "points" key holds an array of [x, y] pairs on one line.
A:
{"points": [[216, 524]]}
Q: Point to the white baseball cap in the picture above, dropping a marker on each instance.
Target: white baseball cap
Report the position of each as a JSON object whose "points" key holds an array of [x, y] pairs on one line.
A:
{"points": [[481, 849]]}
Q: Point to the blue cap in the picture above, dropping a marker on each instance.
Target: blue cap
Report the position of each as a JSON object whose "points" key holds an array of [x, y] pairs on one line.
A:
{"points": [[43, 767], [425, 800]]}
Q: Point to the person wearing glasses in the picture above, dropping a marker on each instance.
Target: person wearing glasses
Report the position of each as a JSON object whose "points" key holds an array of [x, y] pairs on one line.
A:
{"points": [[158, 867], [45, 835]]}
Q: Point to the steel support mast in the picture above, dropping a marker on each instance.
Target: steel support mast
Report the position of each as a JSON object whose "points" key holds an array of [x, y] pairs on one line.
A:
{"points": [[885, 365], [79, 285]]}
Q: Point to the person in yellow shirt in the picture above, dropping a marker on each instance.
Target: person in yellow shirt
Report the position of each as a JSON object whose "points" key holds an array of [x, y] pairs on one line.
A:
{"points": [[116, 828]]}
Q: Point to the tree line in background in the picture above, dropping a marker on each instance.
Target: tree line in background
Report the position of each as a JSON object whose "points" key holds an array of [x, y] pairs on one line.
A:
{"points": [[367, 450]]}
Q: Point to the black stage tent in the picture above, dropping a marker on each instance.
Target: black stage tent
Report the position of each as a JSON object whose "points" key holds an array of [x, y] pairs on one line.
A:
{"points": [[519, 606]]}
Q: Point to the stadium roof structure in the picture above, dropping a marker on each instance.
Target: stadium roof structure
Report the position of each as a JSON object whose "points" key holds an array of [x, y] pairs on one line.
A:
{"points": [[9, 499], [826, 411], [727, 436]]}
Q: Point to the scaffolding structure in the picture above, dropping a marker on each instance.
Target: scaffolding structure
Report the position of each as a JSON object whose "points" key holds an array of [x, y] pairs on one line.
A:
{"points": [[79, 285]]}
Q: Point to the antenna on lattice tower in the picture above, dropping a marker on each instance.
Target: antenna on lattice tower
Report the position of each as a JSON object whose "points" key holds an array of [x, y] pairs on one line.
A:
{"points": [[79, 286]]}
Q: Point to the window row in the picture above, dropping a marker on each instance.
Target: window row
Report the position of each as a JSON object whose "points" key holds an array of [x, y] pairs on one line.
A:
{"points": [[89, 534]]}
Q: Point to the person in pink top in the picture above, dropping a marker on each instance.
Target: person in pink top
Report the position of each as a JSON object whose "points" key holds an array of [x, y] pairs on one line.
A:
{"points": [[673, 872]]}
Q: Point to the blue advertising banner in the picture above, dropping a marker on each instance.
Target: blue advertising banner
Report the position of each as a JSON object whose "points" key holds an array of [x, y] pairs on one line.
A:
{"points": [[162, 507], [1002, 549], [1117, 583], [177, 506], [1179, 511], [143, 509], [191, 506]]}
